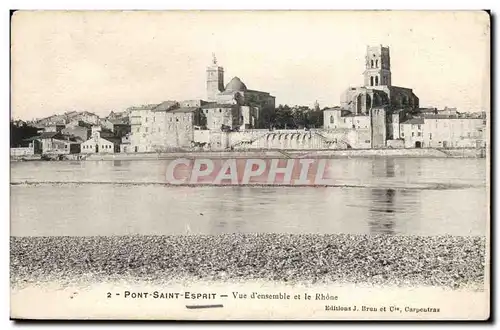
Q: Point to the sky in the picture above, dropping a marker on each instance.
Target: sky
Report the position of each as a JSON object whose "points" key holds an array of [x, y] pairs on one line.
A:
{"points": [[110, 60]]}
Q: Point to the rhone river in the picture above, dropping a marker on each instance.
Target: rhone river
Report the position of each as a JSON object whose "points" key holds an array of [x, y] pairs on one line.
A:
{"points": [[400, 196]]}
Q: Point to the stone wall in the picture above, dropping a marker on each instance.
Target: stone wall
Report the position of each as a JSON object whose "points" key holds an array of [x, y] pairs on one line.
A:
{"points": [[17, 152], [378, 128], [396, 144]]}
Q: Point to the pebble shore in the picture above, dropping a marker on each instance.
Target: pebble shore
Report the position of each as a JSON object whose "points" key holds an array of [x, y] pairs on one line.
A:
{"points": [[445, 261]]}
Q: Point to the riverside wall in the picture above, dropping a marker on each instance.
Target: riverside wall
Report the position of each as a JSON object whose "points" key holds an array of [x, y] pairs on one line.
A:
{"points": [[424, 153]]}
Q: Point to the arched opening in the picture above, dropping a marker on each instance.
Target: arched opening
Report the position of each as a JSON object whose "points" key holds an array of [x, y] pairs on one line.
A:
{"points": [[376, 100], [372, 64], [371, 81], [405, 101], [331, 120], [376, 63], [376, 81], [359, 104], [418, 144], [368, 102]]}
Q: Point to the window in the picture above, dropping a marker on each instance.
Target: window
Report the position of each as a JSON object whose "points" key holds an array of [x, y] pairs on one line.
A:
{"points": [[412, 133], [220, 110], [419, 134], [146, 130], [371, 81], [146, 119], [344, 120], [468, 134], [419, 126], [331, 120], [376, 81], [430, 136], [402, 134], [376, 63], [372, 63], [177, 119]]}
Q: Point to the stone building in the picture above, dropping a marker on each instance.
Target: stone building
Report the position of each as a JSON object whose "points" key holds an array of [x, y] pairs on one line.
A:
{"points": [[378, 89], [443, 131], [82, 133], [100, 144], [372, 105], [162, 127], [235, 104], [55, 143]]}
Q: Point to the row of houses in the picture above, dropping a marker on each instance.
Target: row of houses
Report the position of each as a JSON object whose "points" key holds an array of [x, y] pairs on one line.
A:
{"points": [[80, 137]]}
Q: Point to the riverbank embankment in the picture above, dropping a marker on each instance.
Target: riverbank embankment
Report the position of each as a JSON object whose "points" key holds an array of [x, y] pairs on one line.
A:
{"points": [[267, 154], [351, 153]]}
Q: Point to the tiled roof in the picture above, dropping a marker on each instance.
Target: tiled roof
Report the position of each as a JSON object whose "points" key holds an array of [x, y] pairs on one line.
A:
{"points": [[165, 106], [143, 107], [48, 135], [414, 121]]}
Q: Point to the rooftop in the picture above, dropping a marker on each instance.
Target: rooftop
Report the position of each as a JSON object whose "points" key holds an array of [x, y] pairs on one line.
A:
{"points": [[413, 121], [166, 106], [235, 85]]}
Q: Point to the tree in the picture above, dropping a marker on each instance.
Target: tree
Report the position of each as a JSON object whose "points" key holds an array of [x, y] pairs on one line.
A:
{"points": [[18, 135]]}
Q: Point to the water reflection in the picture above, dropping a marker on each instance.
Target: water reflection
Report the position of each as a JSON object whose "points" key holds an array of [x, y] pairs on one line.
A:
{"points": [[388, 204], [382, 213], [381, 218]]}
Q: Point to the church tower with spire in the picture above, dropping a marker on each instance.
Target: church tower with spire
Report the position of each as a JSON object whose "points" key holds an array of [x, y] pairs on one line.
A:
{"points": [[215, 79]]}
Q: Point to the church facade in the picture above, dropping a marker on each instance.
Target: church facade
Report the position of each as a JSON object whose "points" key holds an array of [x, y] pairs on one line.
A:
{"points": [[375, 102], [234, 106]]}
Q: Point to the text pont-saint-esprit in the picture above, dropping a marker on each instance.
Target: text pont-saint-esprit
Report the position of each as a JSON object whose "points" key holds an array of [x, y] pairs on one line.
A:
{"points": [[170, 295], [234, 295]]}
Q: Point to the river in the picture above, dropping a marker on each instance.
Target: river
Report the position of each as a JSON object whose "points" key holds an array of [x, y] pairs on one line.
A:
{"points": [[399, 196]]}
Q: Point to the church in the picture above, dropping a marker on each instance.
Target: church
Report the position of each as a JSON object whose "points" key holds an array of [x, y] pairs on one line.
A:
{"points": [[377, 100], [234, 106]]}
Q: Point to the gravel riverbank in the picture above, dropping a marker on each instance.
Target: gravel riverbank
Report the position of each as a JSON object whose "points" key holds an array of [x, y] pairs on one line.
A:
{"points": [[446, 261]]}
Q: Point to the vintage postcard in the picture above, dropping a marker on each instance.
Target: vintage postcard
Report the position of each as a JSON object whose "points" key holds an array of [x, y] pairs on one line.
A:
{"points": [[250, 165]]}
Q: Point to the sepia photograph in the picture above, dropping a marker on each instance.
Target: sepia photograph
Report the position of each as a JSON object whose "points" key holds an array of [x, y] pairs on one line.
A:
{"points": [[250, 165]]}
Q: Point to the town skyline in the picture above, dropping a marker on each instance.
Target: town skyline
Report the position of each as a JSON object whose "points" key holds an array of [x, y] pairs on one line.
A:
{"points": [[109, 61]]}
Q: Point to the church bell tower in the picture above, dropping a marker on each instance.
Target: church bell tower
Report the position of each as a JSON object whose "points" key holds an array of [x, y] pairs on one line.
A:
{"points": [[215, 79], [378, 66]]}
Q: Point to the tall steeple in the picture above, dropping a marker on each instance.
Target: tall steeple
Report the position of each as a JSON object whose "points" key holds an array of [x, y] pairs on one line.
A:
{"points": [[378, 66], [215, 79]]}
